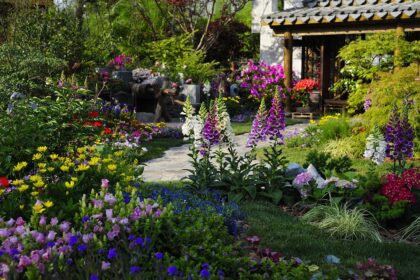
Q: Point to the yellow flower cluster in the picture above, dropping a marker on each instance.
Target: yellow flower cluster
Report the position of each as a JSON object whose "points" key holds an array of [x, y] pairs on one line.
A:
{"points": [[327, 118], [235, 99]]}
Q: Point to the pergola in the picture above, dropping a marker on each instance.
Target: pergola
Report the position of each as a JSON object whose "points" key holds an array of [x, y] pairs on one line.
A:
{"points": [[329, 22]]}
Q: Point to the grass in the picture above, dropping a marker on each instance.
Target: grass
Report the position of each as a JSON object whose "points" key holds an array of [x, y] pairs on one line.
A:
{"points": [[292, 237], [298, 155], [245, 127], [157, 147]]}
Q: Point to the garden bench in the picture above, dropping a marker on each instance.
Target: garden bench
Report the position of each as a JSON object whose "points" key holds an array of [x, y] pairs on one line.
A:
{"points": [[335, 104], [299, 115]]}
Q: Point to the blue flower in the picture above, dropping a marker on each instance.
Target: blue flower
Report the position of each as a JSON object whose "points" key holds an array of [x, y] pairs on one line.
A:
{"points": [[134, 269], [81, 248], [139, 241], [131, 237], [220, 273], [73, 240], [172, 270], [159, 255], [204, 273], [69, 261], [50, 244], [85, 219], [93, 277], [112, 253], [205, 266]]}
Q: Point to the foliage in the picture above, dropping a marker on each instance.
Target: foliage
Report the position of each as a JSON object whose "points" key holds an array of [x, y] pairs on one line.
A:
{"points": [[373, 270], [344, 222], [326, 164], [351, 147], [390, 89], [176, 55], [412, 231], [333, 127], [272, 175]]}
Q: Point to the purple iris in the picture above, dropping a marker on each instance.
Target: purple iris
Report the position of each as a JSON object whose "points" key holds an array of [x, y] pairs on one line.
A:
{"points": [[159, 255], [172, 271]]}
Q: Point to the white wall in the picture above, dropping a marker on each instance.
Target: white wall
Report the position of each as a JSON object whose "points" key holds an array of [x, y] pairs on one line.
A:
{"points": [[271, 47]]}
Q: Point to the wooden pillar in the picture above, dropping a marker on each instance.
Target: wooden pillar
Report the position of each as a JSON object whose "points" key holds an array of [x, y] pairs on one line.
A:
{"points": [[288, 65], [397, 52], [325, 71]]}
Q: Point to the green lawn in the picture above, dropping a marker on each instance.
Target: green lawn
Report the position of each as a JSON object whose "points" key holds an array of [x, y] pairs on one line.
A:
{"points": [[241, 128], [157, 147], [291, 237]]}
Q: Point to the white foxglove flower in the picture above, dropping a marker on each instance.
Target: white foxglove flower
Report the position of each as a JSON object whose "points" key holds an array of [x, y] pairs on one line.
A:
{"points": [[375, 147]]}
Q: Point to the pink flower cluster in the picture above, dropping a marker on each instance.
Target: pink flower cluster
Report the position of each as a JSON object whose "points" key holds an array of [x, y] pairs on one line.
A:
{"points": [[400, 188], [121, 60], [262, 78]]}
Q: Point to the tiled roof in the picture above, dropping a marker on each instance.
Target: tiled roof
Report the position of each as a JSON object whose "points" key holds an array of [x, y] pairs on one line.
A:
{"points": [[337, 11]]}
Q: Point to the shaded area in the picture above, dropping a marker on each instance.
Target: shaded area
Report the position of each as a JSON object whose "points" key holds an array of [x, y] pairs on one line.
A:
{"points": [[291, 237]]}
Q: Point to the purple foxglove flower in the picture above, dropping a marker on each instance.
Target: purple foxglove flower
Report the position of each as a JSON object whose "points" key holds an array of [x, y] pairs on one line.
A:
{"points": [[399, 136], [105, 183], [210, 134], [51, 235], [258, 126], [275, 120], [109, 214]]}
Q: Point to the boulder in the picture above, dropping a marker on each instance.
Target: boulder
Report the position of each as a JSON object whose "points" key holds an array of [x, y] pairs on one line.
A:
{"points": [[294, 169]]}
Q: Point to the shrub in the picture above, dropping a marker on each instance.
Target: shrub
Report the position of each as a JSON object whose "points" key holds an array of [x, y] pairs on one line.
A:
{"points": [[333, 127], [351, 147], [343, 222], [326, 164]]}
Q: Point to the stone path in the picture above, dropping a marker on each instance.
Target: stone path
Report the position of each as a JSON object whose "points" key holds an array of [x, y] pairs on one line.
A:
{"points": [[172, 165]]}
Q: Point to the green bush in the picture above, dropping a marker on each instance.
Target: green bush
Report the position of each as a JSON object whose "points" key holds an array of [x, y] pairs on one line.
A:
{"points": [[333, 129], [343, 222], [351, 147]]}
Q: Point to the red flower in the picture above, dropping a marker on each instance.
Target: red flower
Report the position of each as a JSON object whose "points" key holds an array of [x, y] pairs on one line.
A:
{"points": [[87, 124], [97, 124], [93, 114], [306, 85], [107, 130], [400, 188], [4, 182]]}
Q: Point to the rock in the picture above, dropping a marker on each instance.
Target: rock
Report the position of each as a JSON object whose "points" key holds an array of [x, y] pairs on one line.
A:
{"points": [[314, 173], [294, 169]]}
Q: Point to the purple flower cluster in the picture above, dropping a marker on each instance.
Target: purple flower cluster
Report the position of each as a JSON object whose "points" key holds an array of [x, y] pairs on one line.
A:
{"points": [[268, 126], [275, 121], [211, 135], [367, 104], [258, 126], [261, 78], [399, 136]]}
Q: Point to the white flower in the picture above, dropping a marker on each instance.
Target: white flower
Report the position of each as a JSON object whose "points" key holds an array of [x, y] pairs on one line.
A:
{"points": [[375, 147]]}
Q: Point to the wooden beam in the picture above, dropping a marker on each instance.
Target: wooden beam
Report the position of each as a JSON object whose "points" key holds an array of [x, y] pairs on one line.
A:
{"points": [[325, 71], [399, 33], [288, 65]]}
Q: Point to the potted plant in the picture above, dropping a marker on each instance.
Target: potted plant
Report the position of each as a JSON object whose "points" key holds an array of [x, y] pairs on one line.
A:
{"points": [[303, 92]]}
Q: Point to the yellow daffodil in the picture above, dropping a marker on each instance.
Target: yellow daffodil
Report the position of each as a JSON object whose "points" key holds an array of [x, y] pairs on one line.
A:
{"points": [[53, 156], [20, 166], [112, 167], [38, 208], [37, 156], [17, 182], [81, 150], [82, 167], [64, 168], [48, 204], [41, 149], [35, 178], [69, 185], [94, 161], [23, 188], [34, 194], [39, 184], [81, 157], [50, 169]]}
